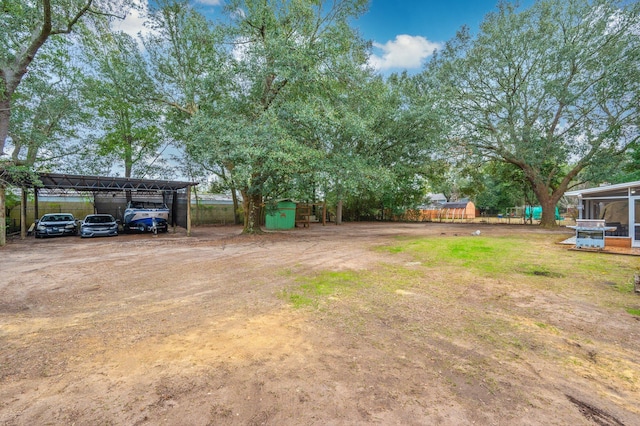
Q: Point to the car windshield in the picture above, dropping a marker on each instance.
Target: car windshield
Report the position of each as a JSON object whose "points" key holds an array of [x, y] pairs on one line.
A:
{"points": [[57, 218], [146, 205], [98, 219]]}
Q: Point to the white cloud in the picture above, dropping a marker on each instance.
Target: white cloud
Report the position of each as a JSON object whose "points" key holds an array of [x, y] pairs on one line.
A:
{"points": [[134, 22], [210, 2], [404, 52]]}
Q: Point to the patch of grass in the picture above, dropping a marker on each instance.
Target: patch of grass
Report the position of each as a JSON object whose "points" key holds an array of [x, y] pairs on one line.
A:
{"points": [[489, 255], [312, 290], [326, 284], [627, 287], [547, 327], [633, 311], [512, 255], [298, 301], [330, 283], [539, 271]]}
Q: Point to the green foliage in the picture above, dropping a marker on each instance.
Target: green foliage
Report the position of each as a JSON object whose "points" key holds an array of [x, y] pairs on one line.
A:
{"points": [[271, 122], [633, 311], [314, 290], [476, 253], [120, 91], [629, 169], [47, 108], [501, 186], [27, 27], [18, 175], [550, 89], [488, 256]]}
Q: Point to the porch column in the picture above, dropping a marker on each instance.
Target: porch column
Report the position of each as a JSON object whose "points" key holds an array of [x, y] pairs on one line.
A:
{"points": [[188, 210], [23, 213], [36, 212]]}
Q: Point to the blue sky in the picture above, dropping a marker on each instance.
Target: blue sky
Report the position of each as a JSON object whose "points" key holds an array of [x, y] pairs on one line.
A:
{"points": [[404, 33]]}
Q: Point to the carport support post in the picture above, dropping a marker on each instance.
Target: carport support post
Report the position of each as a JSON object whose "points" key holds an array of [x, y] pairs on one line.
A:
{"points": [[174, 210], [36, 212], [324, 213], [188, 210], [23, 214], [3, 219]]}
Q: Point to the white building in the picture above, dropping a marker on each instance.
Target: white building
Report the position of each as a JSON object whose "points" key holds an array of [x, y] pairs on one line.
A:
{"points": [[618, 205]]}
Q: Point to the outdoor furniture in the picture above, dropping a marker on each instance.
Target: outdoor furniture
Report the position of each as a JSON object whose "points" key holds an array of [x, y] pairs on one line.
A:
{"points": [[590, 233]]}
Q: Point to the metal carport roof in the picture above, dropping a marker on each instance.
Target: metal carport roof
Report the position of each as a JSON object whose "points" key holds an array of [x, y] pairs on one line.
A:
{"points": [[99, 183], [81, 183]]}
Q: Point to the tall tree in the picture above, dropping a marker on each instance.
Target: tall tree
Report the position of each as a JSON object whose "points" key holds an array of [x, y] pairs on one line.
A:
{"points": [[120, 91], [282, 53], [379, 145], [25, 27], [552, 90], [188, 64], [47, 109], [186, 58]]}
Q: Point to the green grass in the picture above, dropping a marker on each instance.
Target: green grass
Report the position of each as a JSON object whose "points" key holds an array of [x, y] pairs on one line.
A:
{"points": [[311, 290], [447, 265], [477, 299], [635, 312], [481, 254], [509, 256]]}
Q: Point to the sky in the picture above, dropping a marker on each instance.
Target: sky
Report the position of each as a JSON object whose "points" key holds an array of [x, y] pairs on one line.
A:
{"points": [[404, 34]]}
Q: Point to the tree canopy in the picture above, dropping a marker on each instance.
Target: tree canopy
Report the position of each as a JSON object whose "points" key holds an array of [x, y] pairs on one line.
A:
{"points": [[276, 99], [25, 27], [119, 91], [552, 90], [283, 56]]}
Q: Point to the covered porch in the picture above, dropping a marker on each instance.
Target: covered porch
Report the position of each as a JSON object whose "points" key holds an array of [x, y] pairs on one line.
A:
{"points": [[619, 206]]}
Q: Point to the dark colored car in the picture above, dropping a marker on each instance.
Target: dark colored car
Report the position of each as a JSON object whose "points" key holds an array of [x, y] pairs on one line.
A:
{"points": [[56, 224], [96, 225]]}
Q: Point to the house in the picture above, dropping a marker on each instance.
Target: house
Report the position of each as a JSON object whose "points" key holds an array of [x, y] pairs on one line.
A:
{"points": [[454, 210], [618, 205]]}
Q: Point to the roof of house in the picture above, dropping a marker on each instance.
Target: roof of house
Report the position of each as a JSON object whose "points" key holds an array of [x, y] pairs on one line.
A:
{"points": [[462, 204], [437, 198], [603, 190]]}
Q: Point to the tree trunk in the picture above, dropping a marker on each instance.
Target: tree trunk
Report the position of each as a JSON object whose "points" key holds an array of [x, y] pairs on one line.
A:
{"points": [[548, 204], [252, 204], [5, 117], [339, 213], [23, 213], [236, 216], [548, 218], [3, 218]]}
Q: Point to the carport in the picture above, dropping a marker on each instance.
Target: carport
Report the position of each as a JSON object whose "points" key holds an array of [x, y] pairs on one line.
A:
{"points": [[100, 184]]}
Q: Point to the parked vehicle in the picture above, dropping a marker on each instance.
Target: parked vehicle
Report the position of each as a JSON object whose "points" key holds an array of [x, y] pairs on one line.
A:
{"points": [[56, 224], [144, 216], [95, 225]]}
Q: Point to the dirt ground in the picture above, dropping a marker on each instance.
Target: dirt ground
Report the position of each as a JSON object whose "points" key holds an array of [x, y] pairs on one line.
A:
{"points": [[176, 330]]}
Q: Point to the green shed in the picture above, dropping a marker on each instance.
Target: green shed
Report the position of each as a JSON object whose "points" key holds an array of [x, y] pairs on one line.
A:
{"points": [[282, 217]]}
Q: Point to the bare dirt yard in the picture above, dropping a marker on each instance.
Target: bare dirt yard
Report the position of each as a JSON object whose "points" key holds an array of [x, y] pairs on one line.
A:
{"points": [[315, 326]]}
